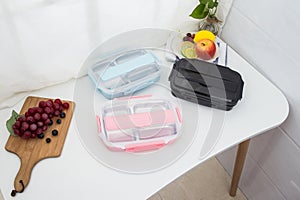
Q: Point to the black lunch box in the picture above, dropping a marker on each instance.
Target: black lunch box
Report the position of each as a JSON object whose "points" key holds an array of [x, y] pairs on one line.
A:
{"points": [[206, 83]]}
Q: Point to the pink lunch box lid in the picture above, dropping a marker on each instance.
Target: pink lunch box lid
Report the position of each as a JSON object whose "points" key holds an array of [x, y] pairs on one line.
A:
{"points": [[139, 124]]}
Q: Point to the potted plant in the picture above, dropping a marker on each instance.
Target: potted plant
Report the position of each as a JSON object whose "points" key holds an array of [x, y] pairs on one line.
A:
{"points": [[206, 10]]}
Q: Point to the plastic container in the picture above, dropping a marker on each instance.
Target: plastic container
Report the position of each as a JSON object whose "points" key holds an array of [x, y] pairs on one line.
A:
{"points": [[206, 84], [138, 123], [125, 73]]}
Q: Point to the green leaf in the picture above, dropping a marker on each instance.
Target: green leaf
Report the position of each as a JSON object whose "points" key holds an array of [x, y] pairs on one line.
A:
{"points": [[10, 122], [204, 1], [211, 4], [200, 12]]}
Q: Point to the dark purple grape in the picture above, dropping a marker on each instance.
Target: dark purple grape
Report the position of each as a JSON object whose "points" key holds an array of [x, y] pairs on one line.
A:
{"points": [[30, 119], [45, 127], [48, 140], [56, 113], [55, 132], [189, 34], [186, 38], [62, 115], [14, 127], [17, 131], [31, 111], [39, 131], [40, 110], [58, 121], [40, 124], [44, 116], [35, 109], [27, 114], [37, 116], [58, 101], [48, 121], [22, 119], [41, 135], [42, 104], [17, 124], [65, 105], [49, 103], [33, 127], [21, 130], [61, 108], [47, 110], [191, 39], [25, 125], [56, 106], [26, 135]]}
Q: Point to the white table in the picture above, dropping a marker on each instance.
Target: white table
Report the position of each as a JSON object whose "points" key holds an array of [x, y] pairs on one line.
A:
{"points": [[77, 175]]}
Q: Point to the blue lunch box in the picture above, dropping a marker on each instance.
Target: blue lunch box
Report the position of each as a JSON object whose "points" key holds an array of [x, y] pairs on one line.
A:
{"points": [[125, 73]]}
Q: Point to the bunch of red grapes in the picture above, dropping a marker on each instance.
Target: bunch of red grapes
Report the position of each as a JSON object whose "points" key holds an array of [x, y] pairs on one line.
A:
{"points": [[189, 37], [37, 119]]}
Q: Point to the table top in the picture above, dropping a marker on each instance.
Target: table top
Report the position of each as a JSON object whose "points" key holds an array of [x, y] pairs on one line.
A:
{"points": [[79, 174]]}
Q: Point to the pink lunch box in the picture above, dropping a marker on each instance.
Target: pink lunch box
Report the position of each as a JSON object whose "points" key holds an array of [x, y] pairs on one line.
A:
{"points": [[138, 123]]}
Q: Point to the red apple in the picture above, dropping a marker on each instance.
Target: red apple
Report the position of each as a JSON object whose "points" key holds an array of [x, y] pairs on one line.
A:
{"points": [[205, 49]]}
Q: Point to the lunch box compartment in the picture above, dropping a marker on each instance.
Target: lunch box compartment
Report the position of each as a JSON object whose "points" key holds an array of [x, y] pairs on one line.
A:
{"points": [[138, 123], [125, 73]]}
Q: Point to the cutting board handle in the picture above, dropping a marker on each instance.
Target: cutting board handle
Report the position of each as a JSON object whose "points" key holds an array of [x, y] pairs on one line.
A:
{"points": [[23, 177]]}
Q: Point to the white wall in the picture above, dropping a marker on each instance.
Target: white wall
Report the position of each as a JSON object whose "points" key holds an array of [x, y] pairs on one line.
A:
{"points": [[266, 33]]}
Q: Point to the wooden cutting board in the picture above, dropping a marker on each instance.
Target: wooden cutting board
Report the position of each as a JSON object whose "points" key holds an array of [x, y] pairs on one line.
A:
{"points": [[31, 151]]}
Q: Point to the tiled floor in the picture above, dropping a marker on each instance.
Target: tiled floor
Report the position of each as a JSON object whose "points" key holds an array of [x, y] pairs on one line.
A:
{"points": [[208, 181]]}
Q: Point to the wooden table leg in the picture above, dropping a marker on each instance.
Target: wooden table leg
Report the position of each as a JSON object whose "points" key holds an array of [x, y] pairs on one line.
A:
{"points": [[238, 166]]}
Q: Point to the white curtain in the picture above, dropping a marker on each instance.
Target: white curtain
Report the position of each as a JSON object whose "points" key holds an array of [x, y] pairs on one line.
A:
{"points": [[45, 42]]}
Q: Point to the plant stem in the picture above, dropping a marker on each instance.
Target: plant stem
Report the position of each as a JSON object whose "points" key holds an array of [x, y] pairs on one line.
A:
{"points": [[215, 11]]}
